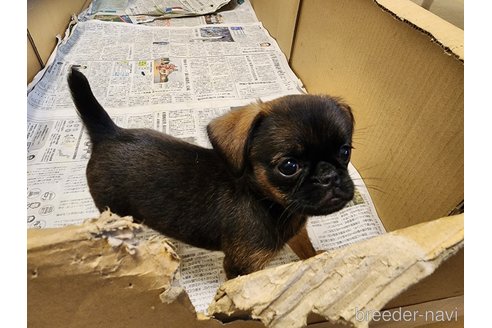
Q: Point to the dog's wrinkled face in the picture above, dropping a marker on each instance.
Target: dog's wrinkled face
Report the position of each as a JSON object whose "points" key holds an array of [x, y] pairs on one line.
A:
{"points": [[299, 154], [297, 149]]}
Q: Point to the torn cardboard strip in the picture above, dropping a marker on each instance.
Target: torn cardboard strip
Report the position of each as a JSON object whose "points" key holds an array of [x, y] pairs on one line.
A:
{"points": [[346, 285], [107, 246], [443, 33]]}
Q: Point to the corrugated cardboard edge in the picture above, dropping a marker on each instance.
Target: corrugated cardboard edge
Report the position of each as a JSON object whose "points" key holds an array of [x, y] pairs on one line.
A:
{"points": [[448, 36], [107, 245], [345, 285], [67, 265]]}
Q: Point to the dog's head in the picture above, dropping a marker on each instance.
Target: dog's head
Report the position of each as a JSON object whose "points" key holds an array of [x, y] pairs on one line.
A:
{"points": [[295, 148]]}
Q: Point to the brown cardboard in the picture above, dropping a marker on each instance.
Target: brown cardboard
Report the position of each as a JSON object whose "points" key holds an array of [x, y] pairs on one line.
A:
{"points": [[282, 24], [453, 306], [74, 272], [399, 68], [101, 274], [445, 282], [33, 64], [444, 33], [363, 276], [47, 19]]}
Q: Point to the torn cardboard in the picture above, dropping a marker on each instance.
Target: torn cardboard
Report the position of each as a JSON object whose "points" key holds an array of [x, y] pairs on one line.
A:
{"points": [[100, 273], [339, 284], [107, 245], [86, 273], [442, 32]]}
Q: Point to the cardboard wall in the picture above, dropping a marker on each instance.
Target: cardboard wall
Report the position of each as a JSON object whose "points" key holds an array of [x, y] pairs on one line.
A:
{"points": [[407, 96], [45, 20], [33, 62], [279, 17]]}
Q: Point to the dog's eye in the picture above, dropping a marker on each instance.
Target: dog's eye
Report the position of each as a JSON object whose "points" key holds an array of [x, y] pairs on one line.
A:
{"points": [[344, 153], [289, 167]]}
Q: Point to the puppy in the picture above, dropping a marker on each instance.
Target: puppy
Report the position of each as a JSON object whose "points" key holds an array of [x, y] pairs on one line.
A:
{"points": [[272, 165]]}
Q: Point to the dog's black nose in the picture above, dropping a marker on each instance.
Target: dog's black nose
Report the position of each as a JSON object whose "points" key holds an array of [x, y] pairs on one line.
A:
{"points": [[327, 179], [326, 175]]}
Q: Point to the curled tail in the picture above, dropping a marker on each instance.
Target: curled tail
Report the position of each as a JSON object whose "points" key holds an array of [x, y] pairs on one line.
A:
{"points": [[95, 118]]}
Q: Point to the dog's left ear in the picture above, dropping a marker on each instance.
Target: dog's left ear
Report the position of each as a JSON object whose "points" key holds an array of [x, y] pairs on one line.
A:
{"points": [[230, 133]]}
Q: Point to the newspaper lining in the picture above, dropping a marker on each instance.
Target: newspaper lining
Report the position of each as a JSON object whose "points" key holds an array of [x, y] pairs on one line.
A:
{"points": [[233, 12], [173, 79], [156, 8]]}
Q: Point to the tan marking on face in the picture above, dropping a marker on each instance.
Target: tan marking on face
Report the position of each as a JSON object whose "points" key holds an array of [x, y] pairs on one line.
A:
{"points": [[267, 187]]}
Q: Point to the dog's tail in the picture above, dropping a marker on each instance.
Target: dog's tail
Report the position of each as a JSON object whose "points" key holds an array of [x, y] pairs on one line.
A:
{"points": [[95, 118]]}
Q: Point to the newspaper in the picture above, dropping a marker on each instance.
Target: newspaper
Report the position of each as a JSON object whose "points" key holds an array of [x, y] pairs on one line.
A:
{"points": [[357, 221], [232, 13], [138, 65], [156, 8], [108, 6], [174, 80], [201, 272], [236, 12]]}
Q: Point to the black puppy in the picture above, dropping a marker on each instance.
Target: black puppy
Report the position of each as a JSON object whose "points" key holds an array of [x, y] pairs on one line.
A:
{"points": [[272, 165]]}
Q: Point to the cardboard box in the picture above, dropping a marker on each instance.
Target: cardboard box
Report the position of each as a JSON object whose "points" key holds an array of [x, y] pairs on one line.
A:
{"points": [[401, 69]]}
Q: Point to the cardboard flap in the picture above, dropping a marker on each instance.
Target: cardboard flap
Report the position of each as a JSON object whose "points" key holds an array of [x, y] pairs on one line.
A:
{"points": [[107, 246], [344, 285], [450, 37], [92, 274]]}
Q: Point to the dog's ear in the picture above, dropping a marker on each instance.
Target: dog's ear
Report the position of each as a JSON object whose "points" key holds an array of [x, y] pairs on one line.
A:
{"points": [[231, 133]]}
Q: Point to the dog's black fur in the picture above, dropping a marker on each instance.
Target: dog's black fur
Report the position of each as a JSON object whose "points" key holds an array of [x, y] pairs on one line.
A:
{"points": [[272, 165]]}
